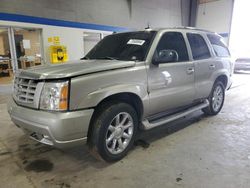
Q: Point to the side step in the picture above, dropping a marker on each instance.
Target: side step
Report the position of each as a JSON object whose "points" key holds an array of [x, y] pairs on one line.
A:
{"points": [[149, 125]]}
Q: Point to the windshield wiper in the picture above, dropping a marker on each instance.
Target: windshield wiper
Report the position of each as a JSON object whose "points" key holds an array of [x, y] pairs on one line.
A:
{"points": [[108, 57], [84, 58]]}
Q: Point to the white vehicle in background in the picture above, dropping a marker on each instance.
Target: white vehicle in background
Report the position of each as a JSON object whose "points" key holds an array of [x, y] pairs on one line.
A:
{"points": [[242, 64]]}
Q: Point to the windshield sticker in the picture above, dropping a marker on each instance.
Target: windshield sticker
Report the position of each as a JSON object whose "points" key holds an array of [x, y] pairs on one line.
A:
{"points": [[136, 42]]}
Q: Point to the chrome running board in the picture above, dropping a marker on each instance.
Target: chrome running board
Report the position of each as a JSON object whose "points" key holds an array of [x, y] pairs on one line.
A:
{"points": [[146, 125]]}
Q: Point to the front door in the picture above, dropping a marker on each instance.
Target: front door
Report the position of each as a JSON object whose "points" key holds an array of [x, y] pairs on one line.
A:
{"points": [[171, 84]]}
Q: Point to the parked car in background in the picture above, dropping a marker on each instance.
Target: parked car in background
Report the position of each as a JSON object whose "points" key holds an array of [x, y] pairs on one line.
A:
{"points": [[242, 64], [128, 82]]}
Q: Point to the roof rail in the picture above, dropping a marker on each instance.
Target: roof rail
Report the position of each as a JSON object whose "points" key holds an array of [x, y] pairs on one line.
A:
{"points": [[193, 28]]}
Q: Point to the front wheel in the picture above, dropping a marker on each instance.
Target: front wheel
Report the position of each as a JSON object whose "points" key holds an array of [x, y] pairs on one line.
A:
{"points": [[114, 130], [216, 99]]}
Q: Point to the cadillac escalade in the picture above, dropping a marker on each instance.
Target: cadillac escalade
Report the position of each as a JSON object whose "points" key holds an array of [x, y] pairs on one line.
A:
{"points": [[128, 82]]}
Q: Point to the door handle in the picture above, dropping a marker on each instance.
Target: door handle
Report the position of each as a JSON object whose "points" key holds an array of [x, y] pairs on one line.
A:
{"points": [[212, 66], [190, 70]]}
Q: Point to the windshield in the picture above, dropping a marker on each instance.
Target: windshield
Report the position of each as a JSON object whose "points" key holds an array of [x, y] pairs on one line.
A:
{"points": [[123, 46]]}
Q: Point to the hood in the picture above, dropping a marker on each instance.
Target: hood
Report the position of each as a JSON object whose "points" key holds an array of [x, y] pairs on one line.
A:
{"points": [[73, 68]]}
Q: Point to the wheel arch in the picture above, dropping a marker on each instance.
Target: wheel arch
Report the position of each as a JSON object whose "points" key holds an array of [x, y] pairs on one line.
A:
{"points": [[127, 97], [223, 78]]}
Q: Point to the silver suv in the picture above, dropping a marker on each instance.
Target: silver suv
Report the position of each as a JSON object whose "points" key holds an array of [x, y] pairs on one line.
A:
{"points": [[128, 82]]}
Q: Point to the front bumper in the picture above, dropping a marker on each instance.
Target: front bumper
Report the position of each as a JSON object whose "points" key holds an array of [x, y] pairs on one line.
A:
{"points": [[59, 129]]}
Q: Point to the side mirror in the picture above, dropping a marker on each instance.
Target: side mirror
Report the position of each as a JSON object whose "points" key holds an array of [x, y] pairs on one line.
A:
{"points": [[165, 56]]}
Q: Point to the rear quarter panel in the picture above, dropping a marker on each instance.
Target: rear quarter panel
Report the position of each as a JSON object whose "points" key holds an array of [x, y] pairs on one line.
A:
{"points": [[224, 66]]}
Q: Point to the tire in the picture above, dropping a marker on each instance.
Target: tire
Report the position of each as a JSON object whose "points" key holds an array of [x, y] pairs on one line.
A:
{"points": [[113, 131], [216, 99]]}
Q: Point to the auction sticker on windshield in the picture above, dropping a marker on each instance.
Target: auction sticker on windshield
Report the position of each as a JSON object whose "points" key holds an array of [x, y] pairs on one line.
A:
{"points": [[136, 42]]}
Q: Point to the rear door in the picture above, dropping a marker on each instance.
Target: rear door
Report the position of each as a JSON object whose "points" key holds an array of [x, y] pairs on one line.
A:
{"points": [[171, 84], [204, 64]]}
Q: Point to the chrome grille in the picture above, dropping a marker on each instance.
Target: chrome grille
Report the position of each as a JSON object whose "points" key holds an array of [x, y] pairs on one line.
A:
{"points": [[24, 90]]}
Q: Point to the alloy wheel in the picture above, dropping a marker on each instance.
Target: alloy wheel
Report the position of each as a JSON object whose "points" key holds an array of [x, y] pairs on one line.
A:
{"points": [[119, 133], [217, 98]]}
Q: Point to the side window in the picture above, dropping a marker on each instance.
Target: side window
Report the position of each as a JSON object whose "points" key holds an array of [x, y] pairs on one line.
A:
{"points": [[173, 41], [198, 46], [219, 46]]}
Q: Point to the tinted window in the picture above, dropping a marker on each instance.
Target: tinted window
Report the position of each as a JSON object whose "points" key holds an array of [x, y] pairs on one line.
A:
{"points": [[218, 45], [123, 46], [173, 41], [198, 46]]}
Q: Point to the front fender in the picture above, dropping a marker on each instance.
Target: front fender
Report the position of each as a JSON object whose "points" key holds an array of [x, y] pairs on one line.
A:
{"points": [[95, 97]]}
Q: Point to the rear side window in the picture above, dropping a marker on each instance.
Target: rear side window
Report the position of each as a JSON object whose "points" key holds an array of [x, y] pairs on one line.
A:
{"points": [[198, 46], [174, 41], [218, 45]]}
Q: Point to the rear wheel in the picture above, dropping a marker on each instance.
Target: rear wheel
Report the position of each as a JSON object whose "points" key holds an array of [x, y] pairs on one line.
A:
{"points": [[216, 99], [114, 130]]}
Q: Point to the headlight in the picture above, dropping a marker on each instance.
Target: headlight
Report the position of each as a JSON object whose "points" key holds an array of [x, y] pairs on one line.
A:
{"points": [[54, 96]]}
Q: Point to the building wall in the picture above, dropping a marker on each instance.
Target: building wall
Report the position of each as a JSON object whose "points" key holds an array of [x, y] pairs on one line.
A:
{"points": [[125, 13], [215, 16], [72, 38], [133, 14], [130, 14]]}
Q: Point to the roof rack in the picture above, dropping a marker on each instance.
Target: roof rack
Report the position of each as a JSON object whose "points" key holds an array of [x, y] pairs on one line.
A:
{"points": [[192, 28], [188, 28]]}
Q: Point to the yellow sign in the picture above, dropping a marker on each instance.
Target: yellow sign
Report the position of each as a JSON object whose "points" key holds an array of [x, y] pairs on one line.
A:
{"points": [[50, 39], [58, 54], [56, 40]]}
